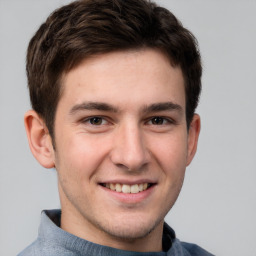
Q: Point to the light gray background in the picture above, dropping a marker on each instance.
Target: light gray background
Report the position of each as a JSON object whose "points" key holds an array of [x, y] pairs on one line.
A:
{"points": [[217, 206]]}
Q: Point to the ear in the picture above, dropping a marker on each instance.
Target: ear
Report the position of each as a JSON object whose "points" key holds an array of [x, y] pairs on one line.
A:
{"points": [[39, 139], [193, 135]]}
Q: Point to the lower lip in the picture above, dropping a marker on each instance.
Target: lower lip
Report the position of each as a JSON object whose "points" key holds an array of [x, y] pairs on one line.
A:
{"points": [[130, 198]]}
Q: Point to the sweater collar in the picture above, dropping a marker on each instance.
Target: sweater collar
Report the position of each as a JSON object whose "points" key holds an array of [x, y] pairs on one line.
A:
{"points": [[51, 232]]}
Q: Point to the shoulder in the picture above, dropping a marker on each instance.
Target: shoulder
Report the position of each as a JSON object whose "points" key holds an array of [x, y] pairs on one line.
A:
{"points": [[42, 248], [195, 250], [30, 250], [178, 248]]}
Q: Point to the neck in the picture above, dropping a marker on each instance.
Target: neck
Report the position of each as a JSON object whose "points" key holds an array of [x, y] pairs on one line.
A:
{"points": [[79, 226]]}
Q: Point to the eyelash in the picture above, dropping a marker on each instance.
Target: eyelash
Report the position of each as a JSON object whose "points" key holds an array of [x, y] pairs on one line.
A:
{"points": [[90, 119], [164, 120]]}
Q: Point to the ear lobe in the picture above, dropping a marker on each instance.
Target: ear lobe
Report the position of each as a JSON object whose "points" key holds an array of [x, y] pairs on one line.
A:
{"points": [[193, 135], [39, 139]]}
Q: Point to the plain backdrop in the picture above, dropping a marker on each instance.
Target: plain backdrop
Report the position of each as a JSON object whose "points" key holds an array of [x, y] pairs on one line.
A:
{"points": [[217, 206]]}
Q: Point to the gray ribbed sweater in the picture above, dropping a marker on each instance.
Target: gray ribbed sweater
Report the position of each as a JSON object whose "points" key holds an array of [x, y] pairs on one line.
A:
{"points": [[53, 241]]}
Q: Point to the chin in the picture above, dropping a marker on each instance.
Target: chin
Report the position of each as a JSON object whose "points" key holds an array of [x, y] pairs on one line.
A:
{"points": [[130, 230]]}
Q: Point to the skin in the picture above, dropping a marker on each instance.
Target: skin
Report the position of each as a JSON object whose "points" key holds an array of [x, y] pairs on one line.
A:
{"points": [[124, 144]]}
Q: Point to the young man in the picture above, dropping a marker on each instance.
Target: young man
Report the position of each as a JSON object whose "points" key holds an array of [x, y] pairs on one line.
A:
{"points": [[114, 85]]}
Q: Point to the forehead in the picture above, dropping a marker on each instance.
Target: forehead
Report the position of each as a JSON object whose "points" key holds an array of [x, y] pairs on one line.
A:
{"points": [[134, 76]]}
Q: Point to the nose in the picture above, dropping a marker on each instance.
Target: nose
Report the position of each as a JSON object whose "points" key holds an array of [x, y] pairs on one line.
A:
{"points": [[129, 150]]}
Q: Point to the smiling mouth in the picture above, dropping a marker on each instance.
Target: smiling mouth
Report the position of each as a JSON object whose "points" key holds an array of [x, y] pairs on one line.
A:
{"points": [[126, 189]]}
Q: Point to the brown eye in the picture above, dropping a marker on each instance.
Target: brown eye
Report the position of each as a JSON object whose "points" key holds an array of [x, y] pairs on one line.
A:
{"points": [[157, 120], [95, 121]]}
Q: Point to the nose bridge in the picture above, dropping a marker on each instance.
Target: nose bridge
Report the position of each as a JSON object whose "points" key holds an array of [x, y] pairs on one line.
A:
{"points": [[129, 149]]}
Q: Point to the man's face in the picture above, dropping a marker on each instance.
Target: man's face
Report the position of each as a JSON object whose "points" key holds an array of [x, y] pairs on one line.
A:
{"points": [[121, 127]]}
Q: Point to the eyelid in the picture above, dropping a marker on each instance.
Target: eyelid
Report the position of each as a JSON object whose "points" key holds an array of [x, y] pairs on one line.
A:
{"points": [[166, 119], [106, 120], [88, 118]]}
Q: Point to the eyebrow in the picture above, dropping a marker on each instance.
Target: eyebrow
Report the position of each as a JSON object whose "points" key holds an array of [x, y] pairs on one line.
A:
{"points": [[93, 106], [162, 106], [101, 106]]}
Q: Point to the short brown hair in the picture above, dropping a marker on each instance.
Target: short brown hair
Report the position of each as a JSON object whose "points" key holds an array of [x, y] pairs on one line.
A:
{"points": [[88, 27]]}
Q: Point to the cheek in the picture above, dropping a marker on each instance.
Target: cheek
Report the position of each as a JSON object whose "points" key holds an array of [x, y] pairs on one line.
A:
{"points": [[171, 153], [80, 155]]}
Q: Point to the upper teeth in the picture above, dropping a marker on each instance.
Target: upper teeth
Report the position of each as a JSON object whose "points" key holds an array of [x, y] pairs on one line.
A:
{"points": [[125, 188]]}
